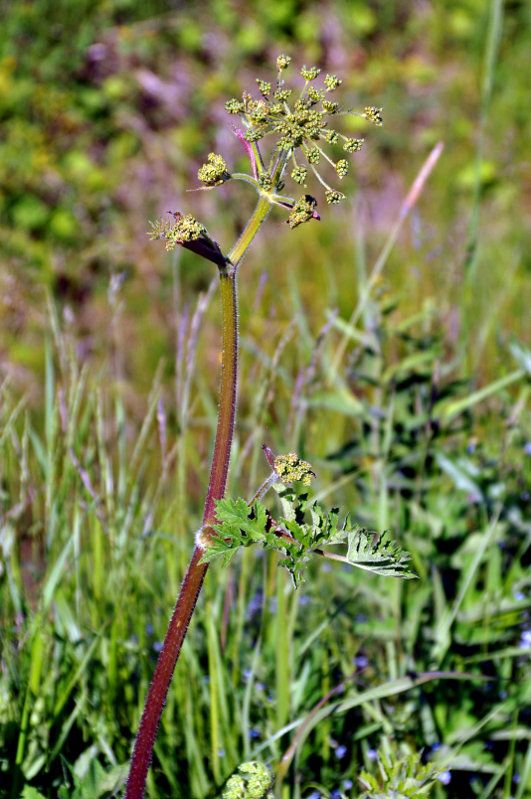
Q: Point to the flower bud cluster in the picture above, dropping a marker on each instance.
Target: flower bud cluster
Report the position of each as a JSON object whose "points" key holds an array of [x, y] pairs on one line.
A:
{"points": [[333, 196], [187, 232], [291, 468], [215, 172], [374, 115], [184, 229], [299, 174], [252, 782], [302, 211]]}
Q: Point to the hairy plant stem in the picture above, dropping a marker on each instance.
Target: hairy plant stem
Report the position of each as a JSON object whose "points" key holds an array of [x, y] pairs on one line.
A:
{"points": [[186, 601]]}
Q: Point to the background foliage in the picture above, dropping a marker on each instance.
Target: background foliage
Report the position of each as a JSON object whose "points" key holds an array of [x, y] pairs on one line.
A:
{"points": [[402, 378]]}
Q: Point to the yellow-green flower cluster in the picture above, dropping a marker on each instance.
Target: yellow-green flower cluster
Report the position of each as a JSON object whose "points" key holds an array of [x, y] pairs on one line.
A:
{"points": [[303, 210], [215, 172], [301, 127], [283, 62], [252, 782], [313, 155], [187, 232], [299, 174], [342, 168], [353, 145], [374, 115], [264, 86], [311, 73], [266, 181], [184, 229], [291, 468], [332, 82], [333, 196]]}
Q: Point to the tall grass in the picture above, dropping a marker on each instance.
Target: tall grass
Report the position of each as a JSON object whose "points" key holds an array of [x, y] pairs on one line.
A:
{"points": [[90, 567], [95, 508]]}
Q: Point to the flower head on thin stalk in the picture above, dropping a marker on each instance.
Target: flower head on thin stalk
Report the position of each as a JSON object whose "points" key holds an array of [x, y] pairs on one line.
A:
{"points": [[301, 125], [289, 468]]}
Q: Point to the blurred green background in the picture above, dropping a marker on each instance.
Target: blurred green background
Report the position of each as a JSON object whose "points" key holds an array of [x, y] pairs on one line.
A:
{"points": [[107, 110], [415, 415]]}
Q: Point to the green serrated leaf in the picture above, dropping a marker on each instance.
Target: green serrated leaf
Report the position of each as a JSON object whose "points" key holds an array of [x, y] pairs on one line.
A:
{"points": [[299, 532], [378, 554], [236, 515], [238, 526]]}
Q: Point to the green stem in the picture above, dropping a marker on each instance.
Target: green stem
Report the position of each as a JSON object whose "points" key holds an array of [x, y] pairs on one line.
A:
{"points": [[186, 601], [227, 398], [254, 224]]}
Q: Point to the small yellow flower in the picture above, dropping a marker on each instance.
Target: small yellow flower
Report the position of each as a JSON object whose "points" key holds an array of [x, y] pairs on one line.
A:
{"points": [[283, 61], [291, 468], [215, 172], [373, 115]]}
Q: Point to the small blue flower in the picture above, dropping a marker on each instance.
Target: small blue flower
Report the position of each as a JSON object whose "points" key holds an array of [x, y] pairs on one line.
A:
{"points": [[221, 753], [527, 448], [347, 785], [525, 640], [336, 794], [149, 629], [341, 751], [314, 795], [361, 661], [255, 604], [157, 646], [253, 734], [372, 754], [445, 777], [519, 595]]}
